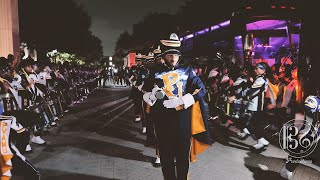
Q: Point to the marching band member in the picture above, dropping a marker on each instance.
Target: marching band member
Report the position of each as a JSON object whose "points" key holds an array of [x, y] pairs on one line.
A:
{"points": [[151, 139], [212, 88], [172, 90], [30, 83], [137, 75], [235, 93], [148, 60], [305, 132], [14, 137], [256, 96], [15, 104], [289, 95]]}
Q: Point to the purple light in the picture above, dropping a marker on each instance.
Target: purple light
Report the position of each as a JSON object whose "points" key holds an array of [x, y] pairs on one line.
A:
{"points": [[223, 24], [203, 31], [296, 38], [279, 41], [226, 23], [181, 39], [285, 27], [298, 25], [238, 43], [189, 36], [266, 25], [214, 27]]}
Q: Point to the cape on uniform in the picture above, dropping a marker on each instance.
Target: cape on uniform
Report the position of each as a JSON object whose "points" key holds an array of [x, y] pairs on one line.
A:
{"points": [[6, 124]]}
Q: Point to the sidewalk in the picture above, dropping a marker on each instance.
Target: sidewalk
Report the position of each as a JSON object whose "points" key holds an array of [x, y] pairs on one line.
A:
{"points": [[86, 149]]}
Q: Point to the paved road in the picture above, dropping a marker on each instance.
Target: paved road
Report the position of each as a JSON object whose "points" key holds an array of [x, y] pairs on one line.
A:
{"points": [[99, 140]]}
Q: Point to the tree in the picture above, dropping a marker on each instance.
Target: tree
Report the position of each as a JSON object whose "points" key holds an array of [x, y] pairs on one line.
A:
{"points": [[59, 24], [194, 15], [146, 34]]}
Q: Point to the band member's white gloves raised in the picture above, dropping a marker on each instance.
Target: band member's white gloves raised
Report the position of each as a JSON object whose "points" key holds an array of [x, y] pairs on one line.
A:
{"points": [[146, 98], [140, 87], [153, 93], [173, 102], [150, 97], [130, 79], [186, 100], [26, 52]]}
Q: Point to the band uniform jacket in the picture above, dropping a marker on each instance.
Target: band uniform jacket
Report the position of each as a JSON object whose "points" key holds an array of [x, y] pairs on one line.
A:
{"points": [[7, 146], [257, 94]]}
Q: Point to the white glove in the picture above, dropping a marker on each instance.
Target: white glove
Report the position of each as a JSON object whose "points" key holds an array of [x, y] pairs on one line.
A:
{"points": [[134, 83], [130, 79], [173, 103], [140, 87], [146, 98], [153, 93], [224, 79], [149, 97], [213, 73]]}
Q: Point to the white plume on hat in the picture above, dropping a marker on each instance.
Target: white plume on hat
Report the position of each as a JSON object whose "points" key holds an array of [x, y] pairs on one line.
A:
{"points": [[157, 51]]}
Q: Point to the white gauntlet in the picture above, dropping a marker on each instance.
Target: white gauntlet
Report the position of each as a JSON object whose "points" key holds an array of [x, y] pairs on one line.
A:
{"points": [[186, 100], [150, 97], [173, 102]]}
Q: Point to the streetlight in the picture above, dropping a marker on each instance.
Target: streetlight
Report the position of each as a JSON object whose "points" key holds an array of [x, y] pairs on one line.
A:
{"points": [[110, 63]]}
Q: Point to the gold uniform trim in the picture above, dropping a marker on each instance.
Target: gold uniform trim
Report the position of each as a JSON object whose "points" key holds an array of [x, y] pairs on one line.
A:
{"points": [[171, 43]]}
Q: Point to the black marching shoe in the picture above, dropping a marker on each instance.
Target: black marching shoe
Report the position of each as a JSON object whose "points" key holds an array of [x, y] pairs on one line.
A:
{"points": [[244, 134], [138, 119], [144, 130], [260, 146]]}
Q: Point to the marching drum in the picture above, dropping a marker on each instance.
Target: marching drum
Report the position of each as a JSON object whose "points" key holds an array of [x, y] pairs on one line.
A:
{"points": [[35, 108], [40, 109], [312, 106], [239, 108], [221, 103]]}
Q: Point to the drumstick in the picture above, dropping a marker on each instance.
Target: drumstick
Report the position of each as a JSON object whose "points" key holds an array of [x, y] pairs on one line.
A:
{"points": [[228, 108], [3, 80], [24, 72]]}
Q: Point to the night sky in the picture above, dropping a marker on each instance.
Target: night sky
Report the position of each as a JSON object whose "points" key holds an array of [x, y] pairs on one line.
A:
{"points": [[111, 17]]}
